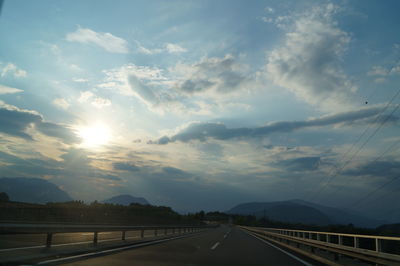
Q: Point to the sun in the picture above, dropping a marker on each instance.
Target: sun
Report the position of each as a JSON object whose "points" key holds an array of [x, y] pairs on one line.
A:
{"points": [[95, 135]]}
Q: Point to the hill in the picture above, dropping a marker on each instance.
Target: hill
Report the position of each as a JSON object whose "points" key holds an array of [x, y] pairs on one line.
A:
{"points": [[32, 190], [299, 211], [339, 216], [283, 211], [126, 200]]}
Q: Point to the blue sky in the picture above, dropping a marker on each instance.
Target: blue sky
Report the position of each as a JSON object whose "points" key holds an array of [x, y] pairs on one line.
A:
{"points": [[204, 104]]}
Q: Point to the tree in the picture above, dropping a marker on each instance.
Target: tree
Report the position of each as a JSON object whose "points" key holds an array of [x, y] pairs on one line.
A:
{"points": [[4, 197]]}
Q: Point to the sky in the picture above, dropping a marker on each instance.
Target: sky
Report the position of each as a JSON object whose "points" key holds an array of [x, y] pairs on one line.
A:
{"points": [[202, 105]]}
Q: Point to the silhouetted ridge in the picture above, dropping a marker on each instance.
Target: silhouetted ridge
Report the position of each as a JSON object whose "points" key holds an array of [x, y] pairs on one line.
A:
{"points": [[32, 190], [126, 200], [299, 211]]}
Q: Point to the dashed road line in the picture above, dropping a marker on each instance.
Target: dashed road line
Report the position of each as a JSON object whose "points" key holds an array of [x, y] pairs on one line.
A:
{"points": [[215, 246]]}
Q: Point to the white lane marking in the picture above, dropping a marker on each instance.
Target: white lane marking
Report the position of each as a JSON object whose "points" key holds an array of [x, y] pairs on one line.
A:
{"points": [[227, 233], [65, 244], [215, 246], [284, 251], [110, 250]]}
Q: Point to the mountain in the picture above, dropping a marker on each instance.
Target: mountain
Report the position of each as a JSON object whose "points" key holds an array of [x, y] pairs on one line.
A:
{"points": [[126, 200], [299, 211], [33, 190], [339, 216], [283, 211], [390, 229]]}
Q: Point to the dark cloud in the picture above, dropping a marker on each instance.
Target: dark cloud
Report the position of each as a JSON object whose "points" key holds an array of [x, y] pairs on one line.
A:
{"points": [[75, 164], [202, 131], [220, 74], [129, 167], [57, 131], [109, 177], [385, 169], [146, 93], [299, 164], [173, 171], [15, 122]]}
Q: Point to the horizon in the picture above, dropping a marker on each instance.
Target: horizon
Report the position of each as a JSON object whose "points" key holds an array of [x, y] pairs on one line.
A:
{"points": [[201, 105]]}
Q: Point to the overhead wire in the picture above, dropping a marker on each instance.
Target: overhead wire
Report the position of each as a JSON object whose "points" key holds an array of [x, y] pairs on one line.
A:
{"points": [[369, 194], [360, 148], [354, 144]]}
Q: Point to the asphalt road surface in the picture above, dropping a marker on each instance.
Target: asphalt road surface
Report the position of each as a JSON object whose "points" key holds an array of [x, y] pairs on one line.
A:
{"points": [[222, 246]]}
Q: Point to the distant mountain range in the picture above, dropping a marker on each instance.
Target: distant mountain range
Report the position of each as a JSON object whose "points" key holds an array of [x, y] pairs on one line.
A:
{"points": [[32, 190], [126, 200], [37, 190], [299, 211]]}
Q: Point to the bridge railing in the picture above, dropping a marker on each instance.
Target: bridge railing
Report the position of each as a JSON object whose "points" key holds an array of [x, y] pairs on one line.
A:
{"points": [[51, 229], [376, 249]]}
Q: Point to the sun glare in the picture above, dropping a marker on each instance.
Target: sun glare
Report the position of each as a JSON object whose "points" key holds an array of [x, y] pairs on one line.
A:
{"points": [[95, 136]]}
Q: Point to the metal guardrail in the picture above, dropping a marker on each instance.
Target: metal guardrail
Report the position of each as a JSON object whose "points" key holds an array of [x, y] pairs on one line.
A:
{"points": [[51, 229], [364, 247]]}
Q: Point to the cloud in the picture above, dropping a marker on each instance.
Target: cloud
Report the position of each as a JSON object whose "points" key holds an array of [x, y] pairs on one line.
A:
{"points": [[97, 102], [221, 75], [299, 164], [125, 166], [58, 131], [80, 80], [85, 96], [203, 131], [101, 102], [168, 47], [12, 69], [62, 103], [8, 90], [308, 62], [105, 40], [174, 48], [16, 122], [385, 169], [117, 79], [172, 90], [382, 73]]}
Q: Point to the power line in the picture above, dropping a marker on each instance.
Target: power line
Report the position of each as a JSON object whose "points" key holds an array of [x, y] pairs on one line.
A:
{"points": [[383, 185], [354, 144], [360, 148]]}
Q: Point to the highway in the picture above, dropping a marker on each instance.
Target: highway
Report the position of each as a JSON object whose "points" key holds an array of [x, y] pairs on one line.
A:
{"points": [[222, 246]]}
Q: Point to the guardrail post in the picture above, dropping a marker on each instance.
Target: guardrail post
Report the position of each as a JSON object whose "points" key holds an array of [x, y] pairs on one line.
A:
{"points": [[165, 231], [356, 242], [142, 233], [378, 245], [123, 235], [173, 230], [155, 232], [95, 238], [328, 238], [318, 237], [340, 240], [49, 239]]}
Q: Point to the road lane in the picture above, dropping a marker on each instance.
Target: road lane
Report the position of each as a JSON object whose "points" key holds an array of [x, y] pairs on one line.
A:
{"points": [[234, 247]]}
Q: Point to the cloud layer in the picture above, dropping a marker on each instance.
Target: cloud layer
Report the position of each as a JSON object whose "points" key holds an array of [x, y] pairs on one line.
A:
{"points": [[105, 40], [203, 131], [16, 122]]}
